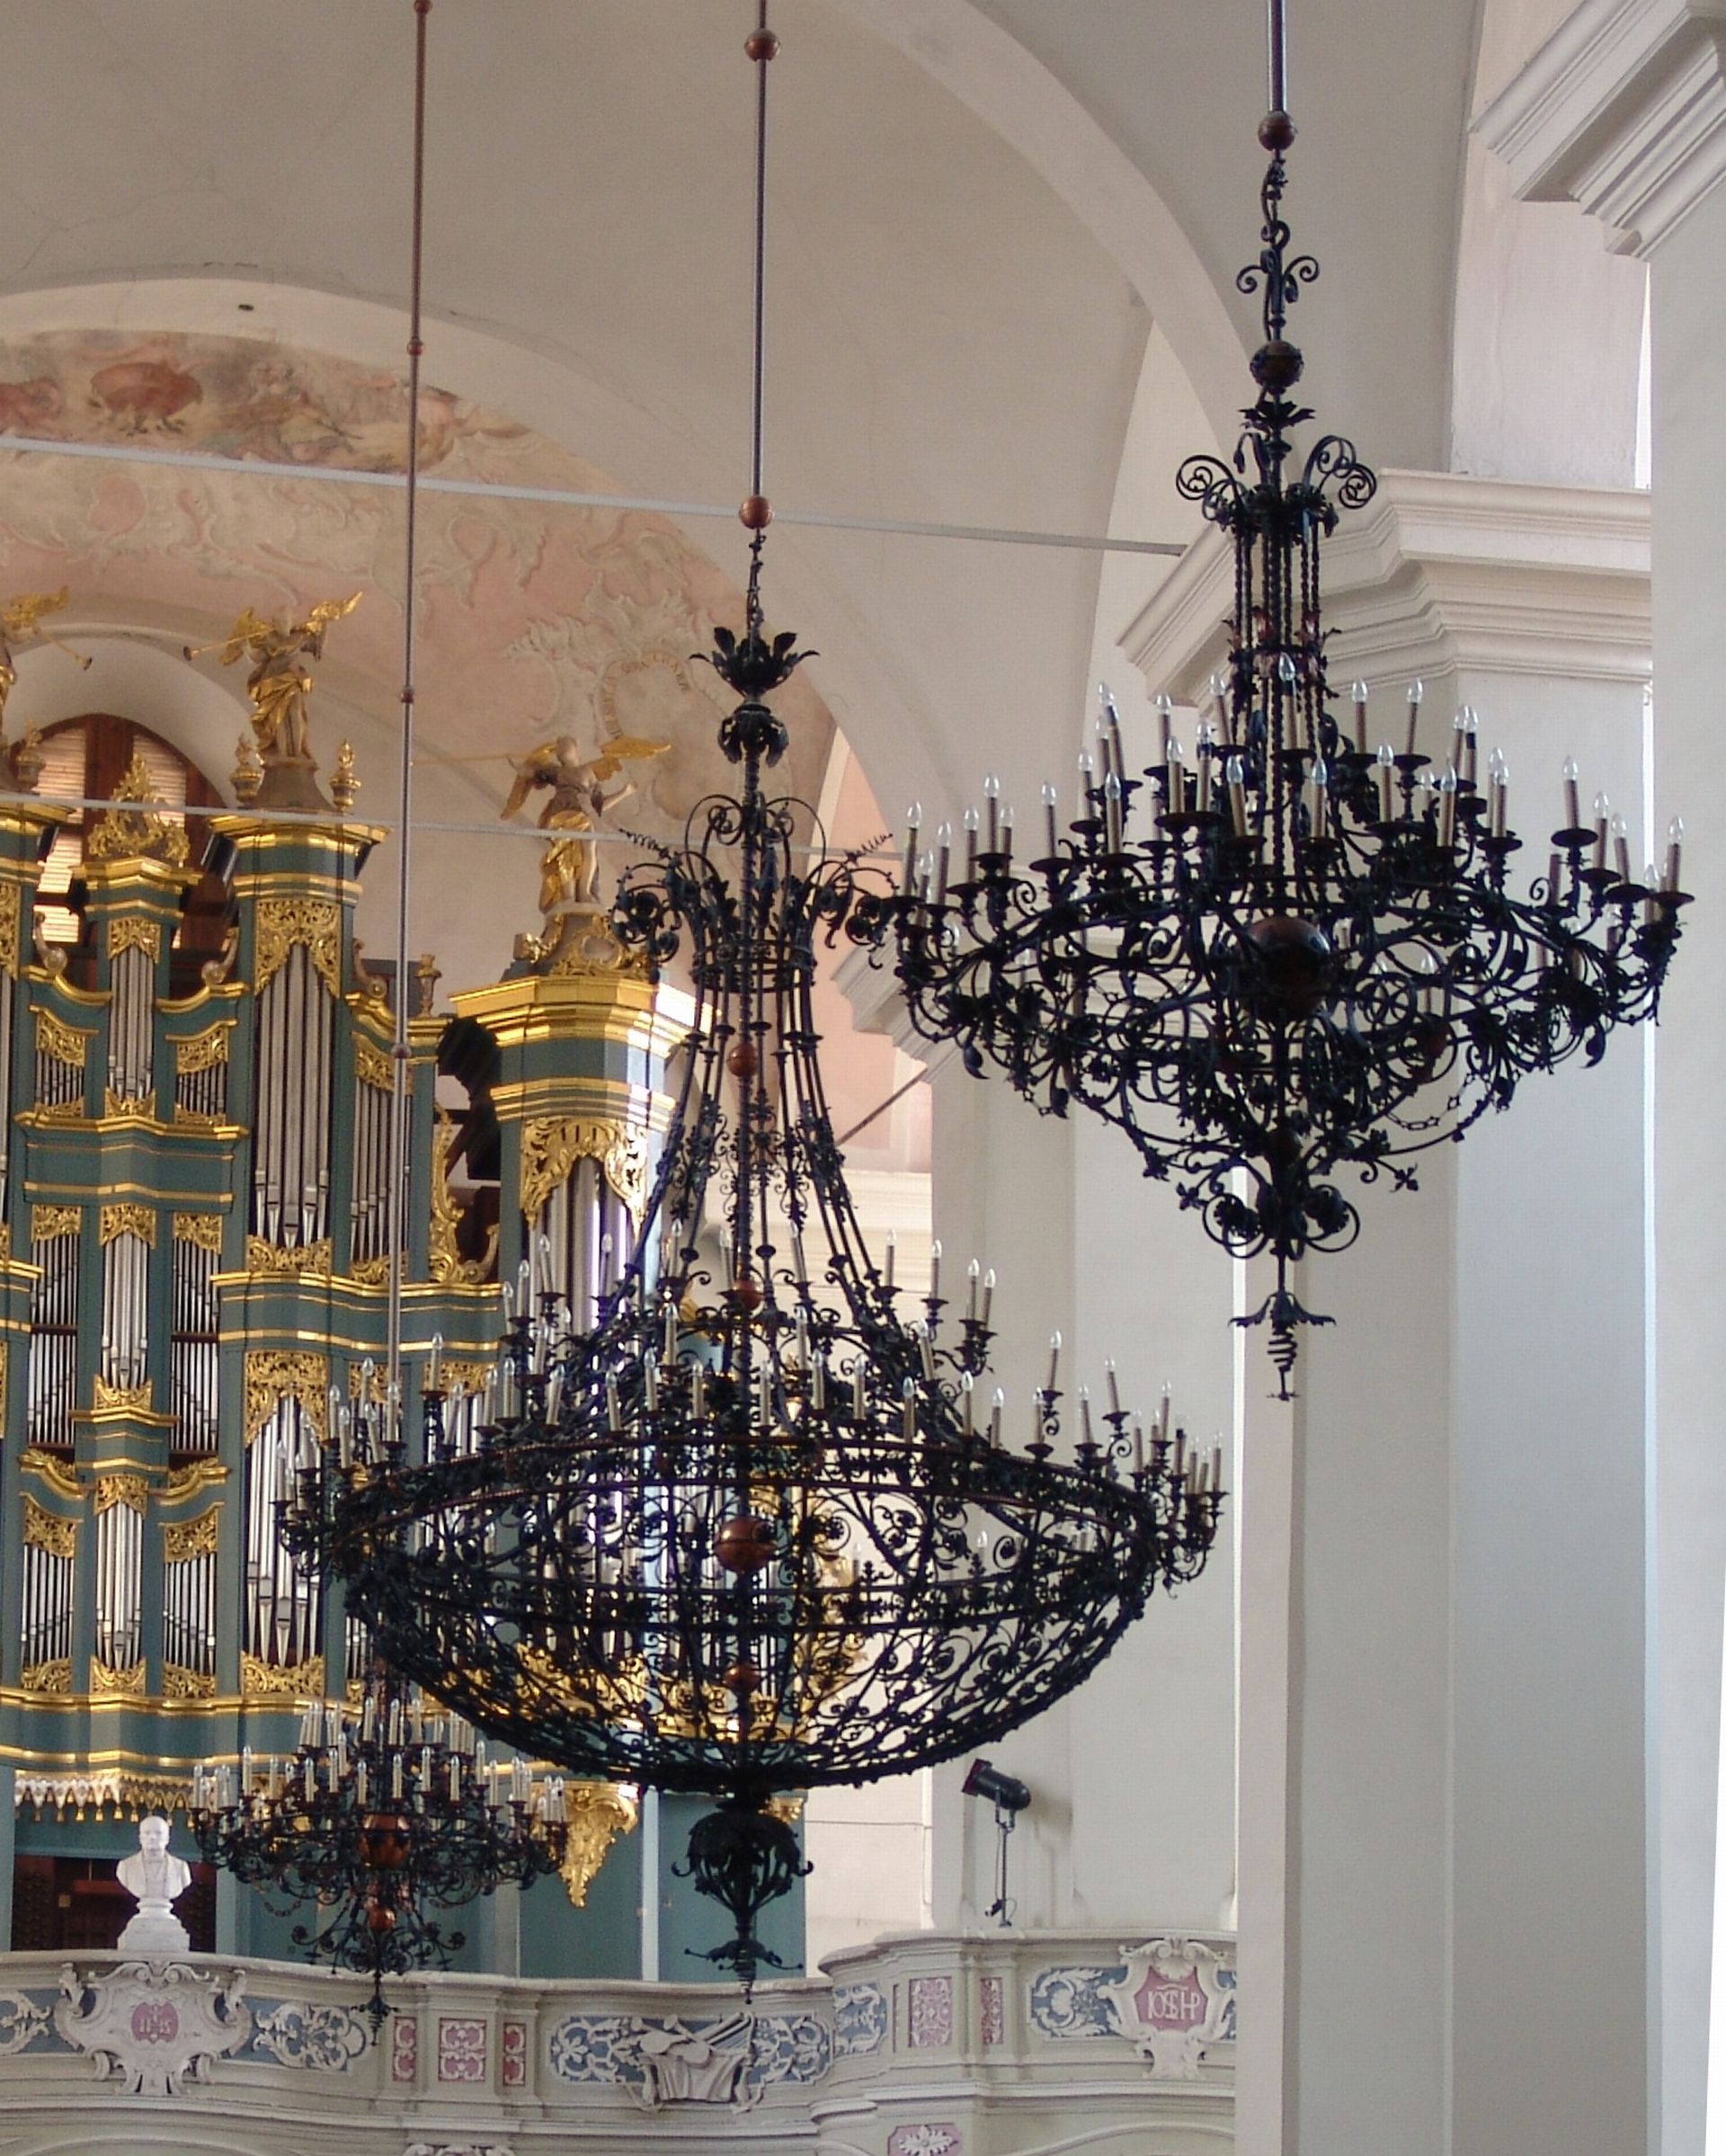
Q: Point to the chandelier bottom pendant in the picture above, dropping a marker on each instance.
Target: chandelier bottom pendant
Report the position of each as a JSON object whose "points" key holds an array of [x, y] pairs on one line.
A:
{"points": [[753, 1532], [1291, 953]]}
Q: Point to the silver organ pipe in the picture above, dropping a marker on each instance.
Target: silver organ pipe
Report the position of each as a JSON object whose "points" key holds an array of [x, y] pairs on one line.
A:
{"points": [[188, 1595], [125, 1309], [192, 1344], [283, 1616], [591, 1233], [52, 1385], [120, 1571], [203, 1090], [290, 1173], [46, 1615], [131, 1023], [370, 1169], [59, 1083]]}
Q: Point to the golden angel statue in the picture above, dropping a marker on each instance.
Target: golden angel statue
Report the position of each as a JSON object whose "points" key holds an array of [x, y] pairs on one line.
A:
{"points": [[580, 798], [20, 622], [280, 680]]}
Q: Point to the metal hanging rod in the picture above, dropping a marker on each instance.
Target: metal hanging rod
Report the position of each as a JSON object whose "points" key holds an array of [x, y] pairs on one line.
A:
{"points": [[566, 497]]}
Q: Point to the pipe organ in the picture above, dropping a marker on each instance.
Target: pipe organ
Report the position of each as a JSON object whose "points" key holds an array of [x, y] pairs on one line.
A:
{"points": [[194, 1227]]}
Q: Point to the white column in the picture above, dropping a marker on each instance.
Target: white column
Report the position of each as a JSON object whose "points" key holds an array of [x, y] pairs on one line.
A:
{"points": [[1623, 111], [1442, 1695], [1132, 1818]]}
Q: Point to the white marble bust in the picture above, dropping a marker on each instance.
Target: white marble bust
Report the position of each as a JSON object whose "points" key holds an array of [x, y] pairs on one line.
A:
{"points": [[155, 1879]]}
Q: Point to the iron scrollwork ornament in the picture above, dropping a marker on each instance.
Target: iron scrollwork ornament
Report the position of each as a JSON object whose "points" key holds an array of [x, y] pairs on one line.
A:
{"points": [[1293, 957]]}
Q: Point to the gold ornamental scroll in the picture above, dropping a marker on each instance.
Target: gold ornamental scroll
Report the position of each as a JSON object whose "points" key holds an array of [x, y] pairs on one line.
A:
{"points": [[203, 1051], [48, 1532], [134, 931], [283, 923], [126, 1220], [58, 1041], [183, 1540], [9, 910], [449, 1267], [598, 1812], [268, 1681], [274, 1375], [203, 1229], [551, 1146]]}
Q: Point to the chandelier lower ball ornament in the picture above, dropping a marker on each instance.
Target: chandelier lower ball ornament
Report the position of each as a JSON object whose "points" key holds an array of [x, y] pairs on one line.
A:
{"points": [[750, 1532], [1293, 954], [386, 1812]]}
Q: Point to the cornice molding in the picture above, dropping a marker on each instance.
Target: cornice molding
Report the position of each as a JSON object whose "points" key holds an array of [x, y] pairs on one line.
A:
{"points": [[1623, 110], [1440, 573]]}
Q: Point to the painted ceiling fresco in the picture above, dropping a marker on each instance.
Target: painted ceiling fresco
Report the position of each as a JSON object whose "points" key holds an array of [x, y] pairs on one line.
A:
{"points": [[536, 618]]}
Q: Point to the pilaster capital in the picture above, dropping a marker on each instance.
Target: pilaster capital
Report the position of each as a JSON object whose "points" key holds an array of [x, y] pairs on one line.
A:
{"points": [[1622, 109], [1441, 573], [878, 1005]]}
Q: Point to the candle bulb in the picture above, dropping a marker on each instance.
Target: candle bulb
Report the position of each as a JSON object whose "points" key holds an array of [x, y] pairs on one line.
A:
{"points": [[996, 1406], [1216, 1464], [1674, 854], [1163, 1410], [926, 1352], [1113, 1388], [1359, 694], [1084, 1415], [1051, 832], [1175, 777], [818, 1384], [970, 819], [650, 1385], [943, 861], [988, 1297], [913, 825], [670, 1330], [1112, 806], [1007, 831], [1235, 773], [1320, 796], [1138, 1446], [1386, 782], [1554, 877], [908, 1393], [1416, 689], [1471, 743], [1497, 773], [1621, 848], [1572, 800], [991, 805], [967, 1387], [1164, 706], [973, 1272], [1447, 808], [1651, 904], [935, 1271], [1055, 1359], [892, 1247], [1602, 825]]}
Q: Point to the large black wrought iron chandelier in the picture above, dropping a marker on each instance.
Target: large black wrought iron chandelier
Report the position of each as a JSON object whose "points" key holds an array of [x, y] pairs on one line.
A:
{"points": [[1290, 951], [387, 1812], [758, 1529]]}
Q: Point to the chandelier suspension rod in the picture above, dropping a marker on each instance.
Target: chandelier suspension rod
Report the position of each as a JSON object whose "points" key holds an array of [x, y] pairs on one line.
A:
{"points": [[398, 1148], [758, 370], [1277, 54]]}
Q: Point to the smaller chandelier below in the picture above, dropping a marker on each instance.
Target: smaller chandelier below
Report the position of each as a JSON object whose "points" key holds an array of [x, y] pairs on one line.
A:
{"points": [[387, 1812]]}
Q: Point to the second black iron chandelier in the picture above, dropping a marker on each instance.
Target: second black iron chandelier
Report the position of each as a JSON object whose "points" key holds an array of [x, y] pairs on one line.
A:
{"points": [[1292, 951]]}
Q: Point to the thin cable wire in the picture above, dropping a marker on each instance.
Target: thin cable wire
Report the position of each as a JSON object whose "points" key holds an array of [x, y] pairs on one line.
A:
{"points": [[398, 1148], [574, 497]]}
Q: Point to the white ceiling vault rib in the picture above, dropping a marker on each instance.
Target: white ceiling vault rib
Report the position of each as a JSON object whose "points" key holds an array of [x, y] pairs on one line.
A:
{"points": [[564, 497]]}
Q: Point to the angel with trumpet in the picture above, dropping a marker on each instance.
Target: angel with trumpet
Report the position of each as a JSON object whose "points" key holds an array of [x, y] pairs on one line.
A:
{"points": [[580, 800], [279, 681], [20, 622]]}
